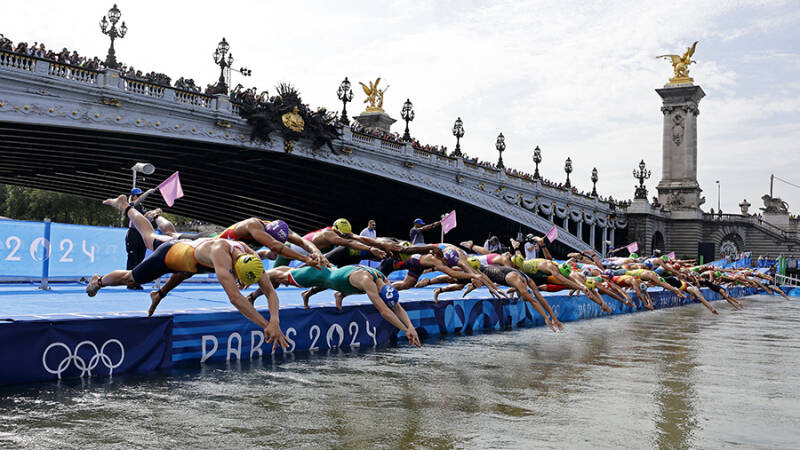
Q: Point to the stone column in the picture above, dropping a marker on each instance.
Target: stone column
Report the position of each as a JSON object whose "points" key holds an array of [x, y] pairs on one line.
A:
{"points": [[580, 229], [611, 238], [678, 188], [591, 234]]}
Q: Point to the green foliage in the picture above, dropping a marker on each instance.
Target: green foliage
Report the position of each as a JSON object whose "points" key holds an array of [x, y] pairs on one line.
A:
{"points": [[17, 202]]}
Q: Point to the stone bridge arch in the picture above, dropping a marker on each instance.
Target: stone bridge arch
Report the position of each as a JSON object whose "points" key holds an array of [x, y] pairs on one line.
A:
{"points": [[729, 239]]}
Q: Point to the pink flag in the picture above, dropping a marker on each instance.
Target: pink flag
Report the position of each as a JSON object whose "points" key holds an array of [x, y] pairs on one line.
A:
{"points": [[552, 235], [633, 246], [171, 189], [671, 255], [449, 222]]}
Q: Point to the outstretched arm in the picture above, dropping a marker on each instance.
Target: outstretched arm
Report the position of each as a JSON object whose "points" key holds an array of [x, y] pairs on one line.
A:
{"points": [[257, 232]]}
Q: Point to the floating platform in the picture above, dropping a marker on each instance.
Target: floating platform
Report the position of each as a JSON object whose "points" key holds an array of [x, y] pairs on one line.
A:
{"points": [[61, 333]]}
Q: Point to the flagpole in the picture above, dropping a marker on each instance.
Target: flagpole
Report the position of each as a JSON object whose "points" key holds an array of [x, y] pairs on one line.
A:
{"points": [[441, 229]]}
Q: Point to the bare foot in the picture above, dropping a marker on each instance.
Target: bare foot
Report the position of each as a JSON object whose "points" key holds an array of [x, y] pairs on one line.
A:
{"points": [[93, 286], [339, 297], [423, 282], [120, 202], [467, 245], [155, 299], [306, 295], [436, 293]]}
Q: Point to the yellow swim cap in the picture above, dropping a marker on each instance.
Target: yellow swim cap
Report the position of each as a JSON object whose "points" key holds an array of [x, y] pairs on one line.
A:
{"points": [[517, 260], [405, 256], [343, 226], [474, 262], [590, 283], [248, 269]]}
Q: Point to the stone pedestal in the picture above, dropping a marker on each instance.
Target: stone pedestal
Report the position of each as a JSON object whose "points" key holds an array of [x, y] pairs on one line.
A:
{"points": [[378, 120], [778, 219], [678, 188]]}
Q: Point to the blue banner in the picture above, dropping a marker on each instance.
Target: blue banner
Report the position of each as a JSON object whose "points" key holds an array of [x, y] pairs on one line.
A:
{"points": [[73, 251], [37, 351]]}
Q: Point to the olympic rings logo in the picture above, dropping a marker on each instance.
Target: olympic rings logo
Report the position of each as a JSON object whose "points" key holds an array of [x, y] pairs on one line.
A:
{"points": [[100, 356]]}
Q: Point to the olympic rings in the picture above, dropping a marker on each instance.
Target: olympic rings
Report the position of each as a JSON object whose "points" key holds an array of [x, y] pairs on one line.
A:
{"points": [[100, 356]]}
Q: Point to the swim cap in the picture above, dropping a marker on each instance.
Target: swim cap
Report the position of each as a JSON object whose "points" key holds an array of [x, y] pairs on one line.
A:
{"points": [[665, 257], [648, 264], [643, 286], [278, 229], [717, 274], [451, 256], [662, 279], [590, 283], [343, 226], [389, 295], [634, 255], [517, 260], [608, 273], [248, 269], [565, 269], [474, 262]]}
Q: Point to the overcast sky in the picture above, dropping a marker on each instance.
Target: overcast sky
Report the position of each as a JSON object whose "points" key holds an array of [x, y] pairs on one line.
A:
{"points": [[575, 78]]}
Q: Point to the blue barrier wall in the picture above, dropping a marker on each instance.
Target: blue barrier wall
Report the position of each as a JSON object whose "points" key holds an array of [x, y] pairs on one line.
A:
{"points": [[73, 251]]}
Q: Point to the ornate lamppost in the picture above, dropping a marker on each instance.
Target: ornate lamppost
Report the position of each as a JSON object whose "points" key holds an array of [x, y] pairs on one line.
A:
{"points": [[345, 95], [500, 145], [458, 132], [568, 170], [594, 182], [224, 63], [537, 159], [641, 174], [113, 17], [407, 114]]}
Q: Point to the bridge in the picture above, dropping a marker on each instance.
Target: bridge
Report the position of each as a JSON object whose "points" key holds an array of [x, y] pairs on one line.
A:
{"points": [[78, 131]]}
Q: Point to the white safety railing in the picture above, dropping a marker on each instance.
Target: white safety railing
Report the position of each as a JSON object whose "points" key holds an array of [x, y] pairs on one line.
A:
{"points": [[787, 281]]}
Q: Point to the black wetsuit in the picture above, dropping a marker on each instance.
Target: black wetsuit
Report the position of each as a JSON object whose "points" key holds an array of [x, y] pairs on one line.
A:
{"points": [[706, 283], [498, 274]]}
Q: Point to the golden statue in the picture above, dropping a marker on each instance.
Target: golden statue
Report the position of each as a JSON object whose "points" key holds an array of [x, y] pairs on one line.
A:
{"points": [[374, 95], [680, 65], [293, 120]]}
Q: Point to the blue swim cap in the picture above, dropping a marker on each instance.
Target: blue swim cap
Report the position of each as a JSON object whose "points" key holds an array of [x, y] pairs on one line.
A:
{"points": [[389, 295], [648, 264], [451, 256]]}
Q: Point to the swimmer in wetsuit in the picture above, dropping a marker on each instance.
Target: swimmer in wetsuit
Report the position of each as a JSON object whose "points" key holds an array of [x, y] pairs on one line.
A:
{"points": [[234, 264], [350, 280]]}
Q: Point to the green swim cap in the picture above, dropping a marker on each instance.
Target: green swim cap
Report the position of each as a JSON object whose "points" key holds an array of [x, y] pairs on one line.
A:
{"points": [[662, 279], [665, 258], [565, 269], [634, 255], [717, 274]]}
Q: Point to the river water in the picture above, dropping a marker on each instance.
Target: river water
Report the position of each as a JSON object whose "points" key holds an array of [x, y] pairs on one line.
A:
{"points": [[677, 378]]}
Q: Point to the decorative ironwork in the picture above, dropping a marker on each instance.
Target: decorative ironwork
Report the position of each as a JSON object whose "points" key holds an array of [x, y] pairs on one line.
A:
{"points": [[113, 33], [345, 95], [641, 174], [458, 132], [500, 145], [537, 159], [224, 60], [568, 170], [595, 178], [407, 114]]}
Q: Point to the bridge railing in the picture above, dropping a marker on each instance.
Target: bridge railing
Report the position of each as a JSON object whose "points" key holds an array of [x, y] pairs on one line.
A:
{"points": [[143, 88], [193, 98], [16, 61], [748, 219], [73, 73]]}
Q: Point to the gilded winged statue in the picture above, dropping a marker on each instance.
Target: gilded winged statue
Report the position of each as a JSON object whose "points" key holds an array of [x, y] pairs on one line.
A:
{"points": [[680, 64], [374, 95]]}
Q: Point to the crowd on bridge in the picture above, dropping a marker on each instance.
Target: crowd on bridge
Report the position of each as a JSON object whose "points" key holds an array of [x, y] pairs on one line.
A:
{"points": [[331, 258], [39, 50]]}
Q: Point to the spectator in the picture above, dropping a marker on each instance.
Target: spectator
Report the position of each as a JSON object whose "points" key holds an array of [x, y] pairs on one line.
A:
{"points": [[369, 231], [530, 247], [418, 228]]}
